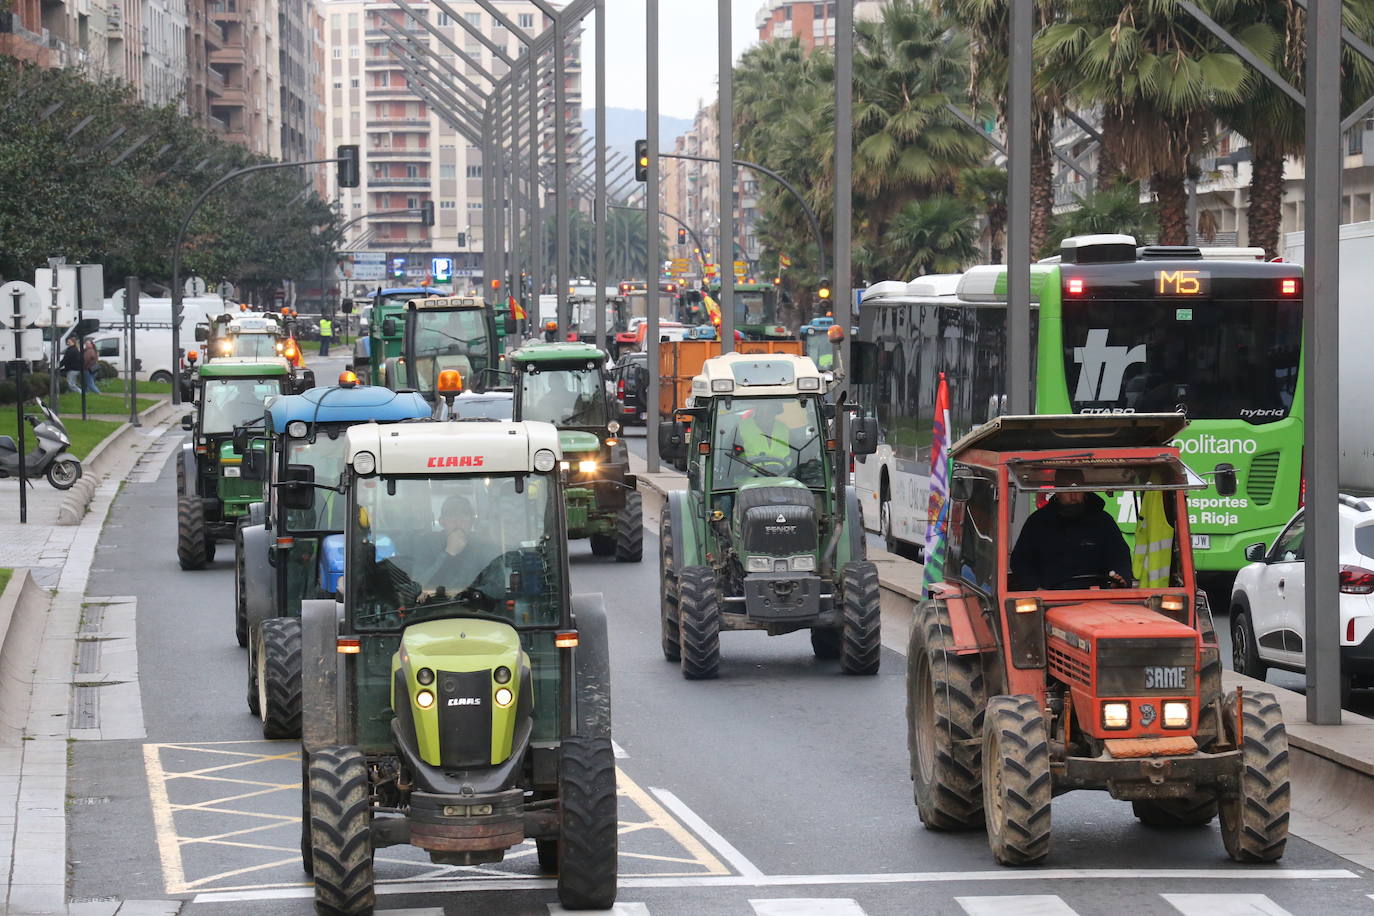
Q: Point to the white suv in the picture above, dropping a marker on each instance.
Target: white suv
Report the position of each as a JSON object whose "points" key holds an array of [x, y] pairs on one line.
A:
{"points": [[1268, 620]]}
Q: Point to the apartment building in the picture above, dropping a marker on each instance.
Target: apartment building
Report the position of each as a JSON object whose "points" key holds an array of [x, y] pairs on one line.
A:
{"points": [[410, 153], [812, 24]]}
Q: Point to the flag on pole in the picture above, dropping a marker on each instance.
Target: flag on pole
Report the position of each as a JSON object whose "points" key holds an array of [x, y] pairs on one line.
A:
{"points": [[784, 261], [712, 308], [937, 512], [516, 311]]}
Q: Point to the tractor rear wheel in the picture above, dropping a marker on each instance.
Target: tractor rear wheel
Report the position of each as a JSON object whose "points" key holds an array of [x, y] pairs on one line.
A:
{"points": [[1254, 821], [588, 823], [629, 530], [279, 677], [192, 541], [945, 704], [825, 642], [1170, 813], [861, 634], [671, 629], [1017, 786], [698, 608], [341, 831], [240, 590], [547, 853], [603, 545], [254, 701], [307, 862]]}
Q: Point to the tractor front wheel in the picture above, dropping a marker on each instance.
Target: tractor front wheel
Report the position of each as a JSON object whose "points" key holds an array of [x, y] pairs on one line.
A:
{"points": [[192, 540], [547, 853], [279, 677], [307, 860], [698, 605], [603, 545], [671, 629], [945, 706], [341, 831], [1017, 786], [825, 643], [588, 823], [1254, 821], [254, 701], [1172, 813], [861, 633], [629, 530]]}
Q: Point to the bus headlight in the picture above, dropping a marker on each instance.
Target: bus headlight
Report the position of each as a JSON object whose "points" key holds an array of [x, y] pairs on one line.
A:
{"points": [[1176, 715], [758, 564], [1116, 715]]}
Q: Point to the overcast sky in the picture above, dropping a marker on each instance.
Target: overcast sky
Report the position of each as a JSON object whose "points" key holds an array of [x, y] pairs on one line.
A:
{"points": [[687, 53]]}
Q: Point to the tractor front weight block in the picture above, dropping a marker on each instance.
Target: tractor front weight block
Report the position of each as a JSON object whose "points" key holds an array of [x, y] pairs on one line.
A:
{"points": [[782, 596], [477, 828], [1151, 778]]}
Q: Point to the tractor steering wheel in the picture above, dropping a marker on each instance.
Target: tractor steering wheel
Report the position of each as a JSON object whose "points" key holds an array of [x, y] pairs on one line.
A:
{"points": [[1090, 580]]}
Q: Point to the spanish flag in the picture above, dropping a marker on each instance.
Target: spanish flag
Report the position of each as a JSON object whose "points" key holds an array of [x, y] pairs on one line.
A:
{"points": [[515, 308], [712, 308]]}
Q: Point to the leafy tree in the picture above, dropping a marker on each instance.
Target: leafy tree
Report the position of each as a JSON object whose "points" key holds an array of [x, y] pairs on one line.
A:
{"points": [[986, 190], [935, 235], [1115, 209]]}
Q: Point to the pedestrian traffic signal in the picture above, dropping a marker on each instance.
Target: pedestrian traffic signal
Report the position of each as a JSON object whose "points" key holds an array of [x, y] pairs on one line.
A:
{"points": [[641, 160], [427, 213], [682, 236], [350, 166]]}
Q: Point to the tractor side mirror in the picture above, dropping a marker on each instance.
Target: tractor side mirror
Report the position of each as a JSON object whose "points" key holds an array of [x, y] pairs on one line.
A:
{"points": [[829, 411], [1255, 553], [508, 325], [298, 491], [241, 439], [254, 464], [202, 333], [188, 422], [1225, 480], [672, 440], [960, 489], [388, 327], [863, 435], [305, 380]]}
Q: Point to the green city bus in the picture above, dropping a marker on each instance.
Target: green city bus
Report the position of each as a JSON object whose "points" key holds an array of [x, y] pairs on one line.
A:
{"points": [[1216, 333]]}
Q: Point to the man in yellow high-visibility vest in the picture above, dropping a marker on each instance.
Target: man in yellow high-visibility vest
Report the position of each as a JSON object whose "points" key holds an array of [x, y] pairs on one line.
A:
{"points": [[326, 334], [764, 439]]}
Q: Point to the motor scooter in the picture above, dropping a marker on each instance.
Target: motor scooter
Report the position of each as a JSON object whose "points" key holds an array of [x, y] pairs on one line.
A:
{"points": [[48, 457]]}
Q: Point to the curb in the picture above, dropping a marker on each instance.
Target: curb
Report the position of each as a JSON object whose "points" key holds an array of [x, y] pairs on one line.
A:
{"points": [[78, 498], [23, 616]]}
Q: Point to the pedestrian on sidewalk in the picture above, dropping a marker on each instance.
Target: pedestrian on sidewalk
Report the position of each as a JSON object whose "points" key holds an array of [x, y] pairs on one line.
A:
{"points": [[326, 332], [90, 363], [71, 364]]}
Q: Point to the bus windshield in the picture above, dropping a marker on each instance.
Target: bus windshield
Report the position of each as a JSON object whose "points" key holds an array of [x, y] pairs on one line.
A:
{"points": [[1213, 359], [230, 402], [450, 340], [563, 397], [767, 437], [326, 456]]}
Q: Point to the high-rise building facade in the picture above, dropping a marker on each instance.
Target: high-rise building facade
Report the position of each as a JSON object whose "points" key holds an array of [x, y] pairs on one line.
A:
{"points": [[811, 23]]}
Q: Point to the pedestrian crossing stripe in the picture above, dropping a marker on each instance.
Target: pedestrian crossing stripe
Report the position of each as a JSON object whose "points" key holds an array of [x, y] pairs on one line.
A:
{"points": [[1010, 905]]}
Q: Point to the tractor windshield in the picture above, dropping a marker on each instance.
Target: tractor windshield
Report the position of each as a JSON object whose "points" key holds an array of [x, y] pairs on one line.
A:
{"points": [[418, 551], [258, 346], [450, 340], [230, 402], [567, 396], [768, 437], [326, 456]]}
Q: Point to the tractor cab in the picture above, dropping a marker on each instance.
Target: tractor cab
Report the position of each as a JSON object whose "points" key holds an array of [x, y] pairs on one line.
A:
{"points": [[566, 384], [447, 332], [244, 335], [1083, 658], [457, 699]]}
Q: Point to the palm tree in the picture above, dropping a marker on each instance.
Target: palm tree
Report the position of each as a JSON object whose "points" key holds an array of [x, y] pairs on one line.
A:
{"points": [[936, 235], [986, 189], [1113, 209]]}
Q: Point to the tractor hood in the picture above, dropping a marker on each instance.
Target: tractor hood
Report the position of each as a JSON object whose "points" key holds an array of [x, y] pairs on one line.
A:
{"points": [[775, 516], [575, 441]]}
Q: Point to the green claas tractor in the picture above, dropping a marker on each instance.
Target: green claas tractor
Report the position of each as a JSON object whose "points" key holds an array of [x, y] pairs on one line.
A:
{"points": [[767, 536], [457, 698], [565, 384], [212, 494]]}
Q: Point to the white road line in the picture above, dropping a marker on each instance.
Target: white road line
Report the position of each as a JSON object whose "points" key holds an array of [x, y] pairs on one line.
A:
{"points": [[620, 909], [802, 906], [720, 844], [1224, 905], [619, 751], [1097, 875], [1018, 905], [416, 911]]}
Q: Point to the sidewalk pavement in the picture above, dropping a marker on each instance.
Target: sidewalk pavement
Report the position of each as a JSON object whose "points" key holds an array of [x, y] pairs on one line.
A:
{"points": [[33, 775]]}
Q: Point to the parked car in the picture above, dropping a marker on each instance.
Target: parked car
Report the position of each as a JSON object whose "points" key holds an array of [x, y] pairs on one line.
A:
{"points": [[631, 377], [1268, 621]]}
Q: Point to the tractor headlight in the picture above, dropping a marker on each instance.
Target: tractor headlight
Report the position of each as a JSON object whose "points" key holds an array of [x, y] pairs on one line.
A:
{"points": [[1176, 714], [563, 465], [809, 384], [805, 563], [758, 564], [296, 429], [424, 699], [504, 697], [501, 675], [232, 472], [1116, 715], [544, 460], [586, 467], [425, 676], [364, 463]]}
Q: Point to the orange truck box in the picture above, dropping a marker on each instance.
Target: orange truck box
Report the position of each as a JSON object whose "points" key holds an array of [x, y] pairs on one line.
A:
{"points": [[680, 361]]}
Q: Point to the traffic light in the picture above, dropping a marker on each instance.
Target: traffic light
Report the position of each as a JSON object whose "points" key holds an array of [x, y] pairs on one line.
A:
{"points": [[682, 236], [462, 240], [824, 291], [641, 160], [427, 212], [350, 166]]}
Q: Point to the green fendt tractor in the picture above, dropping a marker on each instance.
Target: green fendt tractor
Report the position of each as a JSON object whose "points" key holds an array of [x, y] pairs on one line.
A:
{"points": [[767, 536], [458, 698], [565, 384], [439, 333], [212, 493]]}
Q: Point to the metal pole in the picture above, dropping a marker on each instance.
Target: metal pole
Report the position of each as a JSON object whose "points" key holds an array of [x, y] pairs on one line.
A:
{"points": [[1019, 210], [54, 287], [599, 199], [560, 175], [511, 252], [1321, 303], [726, 243], [841, 300], [651, 233], [19, 391], [536, 214]]}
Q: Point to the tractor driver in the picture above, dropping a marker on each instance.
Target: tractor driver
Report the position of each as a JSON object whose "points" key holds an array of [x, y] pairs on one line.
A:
{"points": [[1070, 542], [763, 438]]}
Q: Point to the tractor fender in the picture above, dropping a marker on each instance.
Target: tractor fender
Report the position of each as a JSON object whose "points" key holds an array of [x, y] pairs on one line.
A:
{"points": [[591, 667], [190, 475], [687, 534], [259, 578], [256, 514], [853, 547], [322, 718]]}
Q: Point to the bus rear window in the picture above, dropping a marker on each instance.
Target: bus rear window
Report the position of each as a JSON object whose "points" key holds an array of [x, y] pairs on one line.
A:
{"points": [[1214, 359]]}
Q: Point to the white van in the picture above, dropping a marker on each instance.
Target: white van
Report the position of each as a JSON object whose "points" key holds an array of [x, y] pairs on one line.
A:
{"points": [[153, 327]]}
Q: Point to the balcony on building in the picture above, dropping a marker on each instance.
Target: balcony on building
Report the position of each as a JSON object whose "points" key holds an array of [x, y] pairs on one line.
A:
{"points": [[225, 10], [399, 152]]}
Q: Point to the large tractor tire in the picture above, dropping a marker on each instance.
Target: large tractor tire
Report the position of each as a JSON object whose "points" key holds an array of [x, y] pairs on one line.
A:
{"points": [[603, 545], [1175, 813], [254, 699], [825, 642], [192, 540], [861, 633], [629, 530], [278, 664], [546, 851], [240, 590], [587, 824], [1254, 821], [1017, 786], [669, 625], [307, 855], [698, 606], [341, 831], [945, 705]]}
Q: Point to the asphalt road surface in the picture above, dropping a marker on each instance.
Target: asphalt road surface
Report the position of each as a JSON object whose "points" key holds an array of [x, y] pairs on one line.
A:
{"points": [[781, 788]]}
